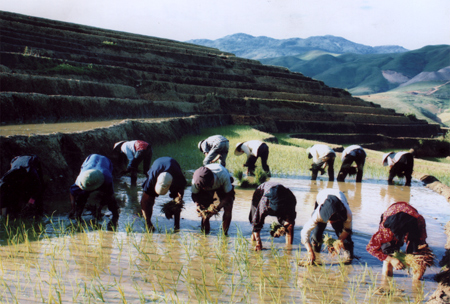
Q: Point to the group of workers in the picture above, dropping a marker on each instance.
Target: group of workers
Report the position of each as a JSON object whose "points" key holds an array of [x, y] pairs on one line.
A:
{"points": [[24, 182]]}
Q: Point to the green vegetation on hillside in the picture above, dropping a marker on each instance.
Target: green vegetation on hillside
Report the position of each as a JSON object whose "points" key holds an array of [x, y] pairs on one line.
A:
{"points": [[363, 73], [426, 100]]}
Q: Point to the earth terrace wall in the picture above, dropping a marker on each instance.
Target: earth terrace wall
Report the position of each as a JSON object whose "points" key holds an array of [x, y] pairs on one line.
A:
{"points": [[62, 154], [423, 147]]}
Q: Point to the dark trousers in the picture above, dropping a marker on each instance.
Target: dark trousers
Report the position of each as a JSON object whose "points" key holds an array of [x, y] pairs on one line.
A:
{"points": [[317, 236], [404, 167], [317, 166], [359, 157], [263, 153]]}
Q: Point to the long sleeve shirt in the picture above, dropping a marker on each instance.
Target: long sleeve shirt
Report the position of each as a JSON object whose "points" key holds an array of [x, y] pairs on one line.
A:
{"points": [[251, 147], [318, 152], [261, 207], [384, 235], [316, 218], [130, 148], [350, 149], [96, 162], [393, 158], [169, 165]]}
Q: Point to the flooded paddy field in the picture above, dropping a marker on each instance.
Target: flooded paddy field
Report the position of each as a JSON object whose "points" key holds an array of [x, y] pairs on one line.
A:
{"points": [[59, 262], [63, 127]]}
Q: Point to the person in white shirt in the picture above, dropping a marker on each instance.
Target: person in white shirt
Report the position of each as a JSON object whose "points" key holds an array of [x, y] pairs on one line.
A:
{"points": [[331, 206], [206, 181], [253, 149], [401, 164], [136, 151], [353, 153], [322, 156]]}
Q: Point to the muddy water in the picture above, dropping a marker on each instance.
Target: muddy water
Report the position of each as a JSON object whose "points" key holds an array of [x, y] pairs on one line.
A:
{"points": [[66, 127], [188, 267]]}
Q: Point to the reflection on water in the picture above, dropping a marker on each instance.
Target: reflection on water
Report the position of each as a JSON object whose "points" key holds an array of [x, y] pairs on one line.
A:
{"points": [[187, 266], [64, 127]]}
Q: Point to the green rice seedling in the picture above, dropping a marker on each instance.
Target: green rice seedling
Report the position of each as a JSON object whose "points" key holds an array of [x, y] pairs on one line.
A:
{"points": [[416, 262], [239, 174], [172, 207]]}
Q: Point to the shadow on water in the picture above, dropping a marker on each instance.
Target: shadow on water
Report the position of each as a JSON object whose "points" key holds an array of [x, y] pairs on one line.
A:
{"points": [[188, 265]]}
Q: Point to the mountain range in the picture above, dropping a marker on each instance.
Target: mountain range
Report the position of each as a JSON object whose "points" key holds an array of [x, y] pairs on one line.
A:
{"points": [[247, 46], [418, 79]]}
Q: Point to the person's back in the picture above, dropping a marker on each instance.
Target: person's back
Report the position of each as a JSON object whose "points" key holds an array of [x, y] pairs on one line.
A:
{"points": [[22, 186]]}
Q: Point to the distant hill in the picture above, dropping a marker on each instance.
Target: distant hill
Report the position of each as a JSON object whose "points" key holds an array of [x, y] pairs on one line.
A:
{"points": [[429, 100], [372, 73], [262, 47]]}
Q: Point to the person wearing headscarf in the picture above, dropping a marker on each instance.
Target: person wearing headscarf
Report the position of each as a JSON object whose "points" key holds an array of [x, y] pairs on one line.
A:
{"points": [[253, 149], [165, 175], [353, 153], [322, 156], [206, 181], [401, 164], [215, 148], [272, 199], [331, 206], [95, 176], [22, 187], [401, 223], [136, 151]]}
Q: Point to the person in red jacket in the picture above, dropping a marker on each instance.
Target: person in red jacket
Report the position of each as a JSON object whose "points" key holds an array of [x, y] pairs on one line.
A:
{"points": [[400, 223]]}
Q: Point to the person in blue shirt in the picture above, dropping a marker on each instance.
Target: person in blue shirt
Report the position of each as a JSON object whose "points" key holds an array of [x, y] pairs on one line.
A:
{"points": [[95, 176], [164, 175]]}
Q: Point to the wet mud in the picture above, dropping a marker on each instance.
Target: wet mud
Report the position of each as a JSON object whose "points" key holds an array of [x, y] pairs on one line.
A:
{"points": [[189, 267]]}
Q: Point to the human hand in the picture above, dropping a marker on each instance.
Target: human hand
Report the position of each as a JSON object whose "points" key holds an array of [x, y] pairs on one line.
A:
{"points": [[396, 263], [311, 257], [338, 245]]}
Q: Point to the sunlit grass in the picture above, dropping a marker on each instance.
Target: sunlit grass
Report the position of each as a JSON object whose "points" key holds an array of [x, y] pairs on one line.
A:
{"points": [[287, 158]]}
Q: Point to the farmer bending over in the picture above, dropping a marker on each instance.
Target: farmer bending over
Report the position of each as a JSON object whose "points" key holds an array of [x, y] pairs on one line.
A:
{"points": [[95, 176], [208, 180], [352, 154], [136, 151], [401, 164], [164, 175], [331, 206], [215, 148], [400, 223], [253, 149], [273, 199], [21, 188], [322, 156]]}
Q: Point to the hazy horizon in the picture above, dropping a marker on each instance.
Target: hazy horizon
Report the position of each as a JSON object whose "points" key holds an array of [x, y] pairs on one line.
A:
{"points": [[410, 24]]}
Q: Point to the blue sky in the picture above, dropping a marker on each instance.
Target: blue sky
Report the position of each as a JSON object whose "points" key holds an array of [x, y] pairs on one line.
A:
{"points": [[409, 23]]}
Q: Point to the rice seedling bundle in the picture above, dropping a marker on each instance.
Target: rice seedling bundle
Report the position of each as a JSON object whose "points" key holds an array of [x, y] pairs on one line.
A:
{"points": [[207, 212], [277, 230], [172, 207], [416, 262], [331, 243]]}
